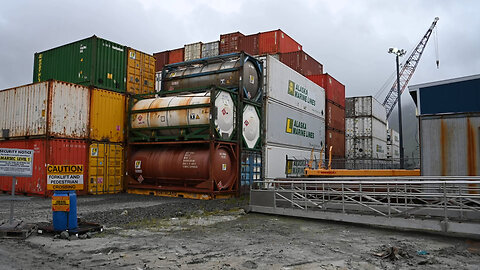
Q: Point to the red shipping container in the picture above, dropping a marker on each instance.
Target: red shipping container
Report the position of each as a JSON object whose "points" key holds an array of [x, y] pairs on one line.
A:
{"points": [[176, 56], [249, 44], [46, 151], [302, 63], [335, 116], [230, 43], [334, 90], [336, 139], [277, 41], [161, 59]]}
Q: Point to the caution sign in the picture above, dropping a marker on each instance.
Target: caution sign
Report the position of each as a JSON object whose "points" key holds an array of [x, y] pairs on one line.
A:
{"points": [[61, 203], [65, 177], [16, 162]]}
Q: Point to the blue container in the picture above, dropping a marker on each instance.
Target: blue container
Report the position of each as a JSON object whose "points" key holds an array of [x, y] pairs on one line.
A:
{"points": [[63, 220]]}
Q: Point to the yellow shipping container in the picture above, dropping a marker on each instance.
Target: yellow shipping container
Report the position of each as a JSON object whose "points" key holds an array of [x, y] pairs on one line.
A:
{"points": [[106, 168], [107, 116], [140, 72]]}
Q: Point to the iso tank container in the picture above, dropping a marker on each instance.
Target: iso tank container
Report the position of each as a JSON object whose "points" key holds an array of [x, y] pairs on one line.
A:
{"points": [[288, 126], [90, 62], [365, 148], [210, 49], [365, 106], [193, 51], [276, 161], [105, 168], [46, 152], [335, 116], [302, 63], [366, 127], [336, 140], [140, 72], [176, 56], [230, 43], [107, 116], [52, 108], [334, 90], [287, 86], [161, 59], [276, 41]]}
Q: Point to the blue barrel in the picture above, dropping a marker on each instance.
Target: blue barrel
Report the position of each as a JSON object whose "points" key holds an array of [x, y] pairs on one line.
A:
{"points": [[66, 220]]}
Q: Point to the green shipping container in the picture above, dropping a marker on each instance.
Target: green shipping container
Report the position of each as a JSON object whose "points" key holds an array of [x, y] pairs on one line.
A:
{"points": [[90, 62]]}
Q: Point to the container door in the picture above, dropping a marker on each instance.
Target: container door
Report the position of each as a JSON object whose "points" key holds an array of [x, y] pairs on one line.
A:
{"points": [[97, 171], [115, 168]]}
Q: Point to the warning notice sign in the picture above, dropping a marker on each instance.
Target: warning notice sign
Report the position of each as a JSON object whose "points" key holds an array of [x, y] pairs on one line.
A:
{"points": [[65, 177], [61, 203], [16, 162]]}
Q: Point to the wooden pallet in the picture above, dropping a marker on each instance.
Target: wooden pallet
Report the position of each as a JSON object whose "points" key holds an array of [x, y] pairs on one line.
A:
{"points": [[18, 230]]}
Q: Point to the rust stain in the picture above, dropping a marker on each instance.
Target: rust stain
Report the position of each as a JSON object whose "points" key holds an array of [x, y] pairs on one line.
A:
{"points": [[443, 145], [471, 154]]}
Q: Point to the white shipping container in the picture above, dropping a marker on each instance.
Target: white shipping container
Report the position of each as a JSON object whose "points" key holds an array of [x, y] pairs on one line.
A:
{"points": [[193, 51], [393, 137], [365, 127], [393, 151], [276, 160], [57, 108], [290, 87], [210, 49], [290, 126], [366, 106], [365, 148]]}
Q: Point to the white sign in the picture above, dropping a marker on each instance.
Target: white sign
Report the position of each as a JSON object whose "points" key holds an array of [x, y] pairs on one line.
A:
{"points": [[16, 162]]}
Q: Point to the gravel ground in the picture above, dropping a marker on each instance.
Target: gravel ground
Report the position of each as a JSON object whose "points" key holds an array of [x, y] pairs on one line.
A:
{"points": [[146, 232]]}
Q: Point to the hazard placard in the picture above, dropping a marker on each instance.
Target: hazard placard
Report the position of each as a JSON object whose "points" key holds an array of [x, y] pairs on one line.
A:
{"points": [[65, 177], [61, 203]]}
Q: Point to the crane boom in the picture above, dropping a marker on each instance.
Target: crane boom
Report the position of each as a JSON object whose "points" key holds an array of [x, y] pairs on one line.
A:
{"points": [[407, 71]]}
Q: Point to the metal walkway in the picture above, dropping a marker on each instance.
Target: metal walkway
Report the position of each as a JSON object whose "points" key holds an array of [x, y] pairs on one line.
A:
{"points": [[448, 205]]}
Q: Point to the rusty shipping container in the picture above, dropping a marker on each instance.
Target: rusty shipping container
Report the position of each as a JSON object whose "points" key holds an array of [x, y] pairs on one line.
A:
{"points": [[302, 63], [176, 56], [140, 72], [334, 90], [161, 59], [106, 168], [336, 140], [192, 51], [450, 144], [52, 108], [210, 49], [230, 43], [276, 41], [335, 116], [189, 168], [46, 152], [249, 44], [107, 116]]}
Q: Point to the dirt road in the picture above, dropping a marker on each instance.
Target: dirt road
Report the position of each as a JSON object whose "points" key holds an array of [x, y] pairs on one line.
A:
{"points": [[144, 232]]}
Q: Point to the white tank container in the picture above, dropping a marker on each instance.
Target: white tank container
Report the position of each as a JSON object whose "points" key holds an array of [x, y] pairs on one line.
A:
{"points": [[251, 126]]}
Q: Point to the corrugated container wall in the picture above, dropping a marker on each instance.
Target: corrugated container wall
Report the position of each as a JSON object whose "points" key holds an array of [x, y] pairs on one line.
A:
{"points": [[230, 43], [393, 151], [249, 44], [46, 151], [276, 161], [366, 127], [210, 49], [52, 108], [335, 116], [140, 72], [161, 59], [365, 148], [302, 63], [176, 56], [365, 106], [277, 41], [393, 137], [89, 62], [107, 116], [289, 87], [450, 144], [334, 90], [106, 168], [336, 139], [193, 51]]}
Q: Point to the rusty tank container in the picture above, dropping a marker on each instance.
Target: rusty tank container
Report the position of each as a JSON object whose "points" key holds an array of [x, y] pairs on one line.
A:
{"points": [[223, 71], [183, 166], [156, 113]]}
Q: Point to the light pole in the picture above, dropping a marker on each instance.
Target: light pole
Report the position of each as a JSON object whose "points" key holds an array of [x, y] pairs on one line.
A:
{"points": [[398, 53]]}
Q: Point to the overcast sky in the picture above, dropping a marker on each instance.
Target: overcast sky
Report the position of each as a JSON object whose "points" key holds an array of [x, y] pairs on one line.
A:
{"points": [[350, 38]]}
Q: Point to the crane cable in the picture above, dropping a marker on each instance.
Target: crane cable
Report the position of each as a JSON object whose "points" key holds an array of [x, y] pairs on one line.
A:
{"points": [[436, 47]]}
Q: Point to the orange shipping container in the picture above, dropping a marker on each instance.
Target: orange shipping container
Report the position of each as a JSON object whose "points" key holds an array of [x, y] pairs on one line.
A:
{"points": [[334, 90], [46, 152], [277, 41], [230, 43], [176, 56], [336, 139], [335, 116], [161, 59], [140, 72]]}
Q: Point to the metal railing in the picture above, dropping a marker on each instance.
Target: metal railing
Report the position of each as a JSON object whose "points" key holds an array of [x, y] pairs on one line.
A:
{"points": [[446, 204]]}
